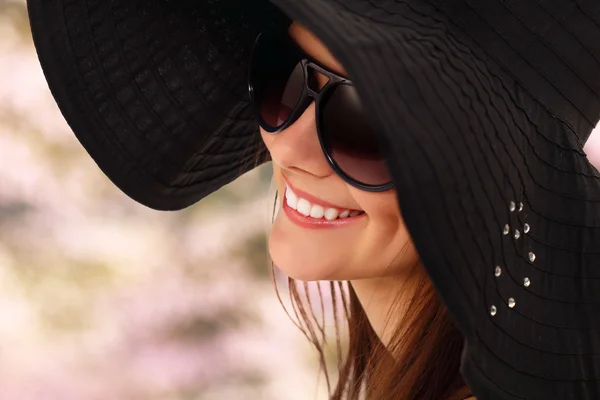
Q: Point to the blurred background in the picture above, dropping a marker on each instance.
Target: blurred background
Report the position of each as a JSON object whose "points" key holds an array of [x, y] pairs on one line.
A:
{"points": [[101, 298]]}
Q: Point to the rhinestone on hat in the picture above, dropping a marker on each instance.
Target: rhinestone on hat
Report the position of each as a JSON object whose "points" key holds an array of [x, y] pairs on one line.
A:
{"points": [[526, 228], [497, 271], [531, 256], [512, 206], [511, 302], [520, 206], [506, 229], [493, 310], [526, 282], [517, 234]]}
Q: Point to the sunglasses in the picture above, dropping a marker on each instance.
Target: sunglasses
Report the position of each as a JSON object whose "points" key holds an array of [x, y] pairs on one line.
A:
{"points": [[283, 81]]}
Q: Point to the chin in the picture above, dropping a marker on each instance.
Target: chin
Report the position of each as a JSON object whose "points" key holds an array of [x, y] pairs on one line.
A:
{"points": [[302, 266], [314, 267]]}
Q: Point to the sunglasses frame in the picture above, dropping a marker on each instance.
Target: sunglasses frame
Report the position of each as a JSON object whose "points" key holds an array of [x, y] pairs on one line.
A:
{"points": [[306, 98]]}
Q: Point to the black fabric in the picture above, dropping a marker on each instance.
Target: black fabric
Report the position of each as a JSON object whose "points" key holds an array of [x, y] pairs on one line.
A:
{"points": [[481, 103], [156, 91]]}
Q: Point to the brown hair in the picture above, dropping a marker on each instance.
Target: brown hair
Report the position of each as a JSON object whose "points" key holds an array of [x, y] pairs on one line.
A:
{"points": [[422, 360]]}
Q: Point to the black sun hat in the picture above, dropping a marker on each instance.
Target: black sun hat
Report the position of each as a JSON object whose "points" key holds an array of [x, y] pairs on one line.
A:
{"points": [[484, 105]]}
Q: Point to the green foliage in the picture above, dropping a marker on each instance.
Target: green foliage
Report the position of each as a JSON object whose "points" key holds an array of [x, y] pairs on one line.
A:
{"points": [[13, 211], [199, 328], [254, 250]]}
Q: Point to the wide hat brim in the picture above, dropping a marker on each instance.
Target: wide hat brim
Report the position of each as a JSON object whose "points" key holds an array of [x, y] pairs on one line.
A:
{"points": [[485, 107]]}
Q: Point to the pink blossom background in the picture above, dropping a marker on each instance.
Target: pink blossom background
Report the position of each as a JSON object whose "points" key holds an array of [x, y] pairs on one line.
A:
{"points": [[101, 298]]}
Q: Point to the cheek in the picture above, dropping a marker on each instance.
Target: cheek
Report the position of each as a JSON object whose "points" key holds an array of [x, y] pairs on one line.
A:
{"points": [[382, 207], [388, 242], [266, 138], [269, 141]]}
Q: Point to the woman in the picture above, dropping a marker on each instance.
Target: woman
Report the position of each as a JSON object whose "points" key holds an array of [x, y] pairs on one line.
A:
{"points": [[427, 152], [331, 230]]}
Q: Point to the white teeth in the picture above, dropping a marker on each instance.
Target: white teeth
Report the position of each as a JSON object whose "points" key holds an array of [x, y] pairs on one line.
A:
{"points": [[291, 199], [331, 214], [317, 211], [303, 207], [314, 210]]}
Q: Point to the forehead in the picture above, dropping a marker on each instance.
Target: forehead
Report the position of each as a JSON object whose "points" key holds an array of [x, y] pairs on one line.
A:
{"points": [[313, 46]]}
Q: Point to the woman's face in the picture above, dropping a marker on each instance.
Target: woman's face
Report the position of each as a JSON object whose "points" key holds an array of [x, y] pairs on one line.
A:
{"points": [[365, 246]]}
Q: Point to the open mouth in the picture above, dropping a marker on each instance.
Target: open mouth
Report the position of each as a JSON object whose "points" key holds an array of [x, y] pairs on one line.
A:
{"points": [[317, 211]]}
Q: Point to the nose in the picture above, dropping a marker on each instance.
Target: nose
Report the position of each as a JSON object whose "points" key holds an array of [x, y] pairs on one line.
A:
{"points": [[298, 147]]}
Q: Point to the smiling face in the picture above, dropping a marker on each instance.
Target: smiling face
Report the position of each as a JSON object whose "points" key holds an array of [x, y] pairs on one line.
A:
{"points": [[311, 247]]}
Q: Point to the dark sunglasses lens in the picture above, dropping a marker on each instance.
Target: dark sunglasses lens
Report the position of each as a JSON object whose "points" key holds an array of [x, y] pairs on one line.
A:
{"points": [[350, 139], [277, 81]]}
